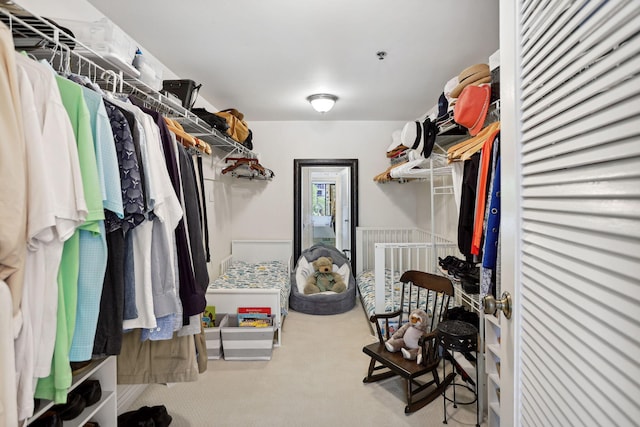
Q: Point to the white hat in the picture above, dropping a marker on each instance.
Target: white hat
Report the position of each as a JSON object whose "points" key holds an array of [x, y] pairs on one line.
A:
{"points": [[449, 86], [411, 135], [395, 136]]}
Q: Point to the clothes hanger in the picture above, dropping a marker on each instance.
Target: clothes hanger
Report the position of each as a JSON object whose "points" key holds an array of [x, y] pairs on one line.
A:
{"points": [[472, 145], [239, 161]]}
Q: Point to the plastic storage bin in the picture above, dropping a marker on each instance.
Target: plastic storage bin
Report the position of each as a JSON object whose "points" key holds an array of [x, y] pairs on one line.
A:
{"points": [[246, 343], [212, 336]]}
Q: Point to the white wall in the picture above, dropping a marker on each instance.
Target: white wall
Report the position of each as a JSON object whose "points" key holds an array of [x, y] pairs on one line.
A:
{"points": [[265, 209]]}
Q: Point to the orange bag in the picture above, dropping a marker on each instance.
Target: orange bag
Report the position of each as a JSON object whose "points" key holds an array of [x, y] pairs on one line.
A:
{"points": [[238, 129]]}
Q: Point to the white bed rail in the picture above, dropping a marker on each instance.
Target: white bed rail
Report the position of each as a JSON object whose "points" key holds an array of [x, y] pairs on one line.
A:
{"points": [[393, 259], [225, 263], [368, 237]]}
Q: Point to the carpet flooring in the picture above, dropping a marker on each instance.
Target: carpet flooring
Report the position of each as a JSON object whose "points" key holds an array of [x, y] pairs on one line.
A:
{"points": [[313, 379]]}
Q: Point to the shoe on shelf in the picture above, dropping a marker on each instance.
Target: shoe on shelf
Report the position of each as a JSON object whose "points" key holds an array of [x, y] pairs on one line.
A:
{"points": [[79, 367], [70, 410], [48, 419], [90, 391]]}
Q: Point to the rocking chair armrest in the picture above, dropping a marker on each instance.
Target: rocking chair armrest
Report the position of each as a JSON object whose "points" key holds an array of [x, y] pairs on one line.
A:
{"points": [[374, 317], [428, 347], [427, 337], [386, 316]]}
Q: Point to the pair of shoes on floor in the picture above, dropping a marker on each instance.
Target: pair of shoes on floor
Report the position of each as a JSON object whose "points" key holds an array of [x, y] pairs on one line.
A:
{"points": [[146, 416]]}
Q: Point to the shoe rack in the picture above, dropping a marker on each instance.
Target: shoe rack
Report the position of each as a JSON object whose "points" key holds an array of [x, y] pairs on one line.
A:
{"points": [[492, 366], [104, 412]]}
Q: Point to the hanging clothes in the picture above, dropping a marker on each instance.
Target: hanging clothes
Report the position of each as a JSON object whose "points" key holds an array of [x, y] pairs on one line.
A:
{"points": [[191, 295], [54, 220], [56, 385], [13, 181], [108, 339], [194, 226], [467, 204], [484, 176], [94, 246]]}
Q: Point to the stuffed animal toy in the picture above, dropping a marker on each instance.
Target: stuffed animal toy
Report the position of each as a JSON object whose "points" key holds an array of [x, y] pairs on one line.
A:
{"points": [[324, 278], [406, 338]]}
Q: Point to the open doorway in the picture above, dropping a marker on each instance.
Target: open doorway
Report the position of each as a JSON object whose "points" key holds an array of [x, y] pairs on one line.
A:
{"points": [[325, 204]]}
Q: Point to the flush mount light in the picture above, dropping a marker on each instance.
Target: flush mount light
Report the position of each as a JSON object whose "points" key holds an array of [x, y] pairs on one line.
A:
{"points": [[322, 102]]}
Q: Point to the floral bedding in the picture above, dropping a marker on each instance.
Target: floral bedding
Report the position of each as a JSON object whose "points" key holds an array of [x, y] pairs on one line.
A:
{"points": [[259, 275]]}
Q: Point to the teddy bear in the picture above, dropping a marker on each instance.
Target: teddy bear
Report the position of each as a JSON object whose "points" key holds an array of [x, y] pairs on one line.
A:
{"points": [[324, 278], [406, 338]]}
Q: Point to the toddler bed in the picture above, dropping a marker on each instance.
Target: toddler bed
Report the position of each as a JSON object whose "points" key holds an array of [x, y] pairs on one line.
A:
{"points": [[383, 254], [256, 274], [323, 303]]}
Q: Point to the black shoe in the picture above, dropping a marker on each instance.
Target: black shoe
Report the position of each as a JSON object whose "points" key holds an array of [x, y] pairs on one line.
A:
{"points": [[48, 419], [90, 391], [78, 368], [135, 419], [70, 410], [159, 414]]}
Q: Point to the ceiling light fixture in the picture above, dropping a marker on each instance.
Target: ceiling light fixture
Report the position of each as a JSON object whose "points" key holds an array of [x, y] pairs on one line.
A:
{"points": [[322, 102]]}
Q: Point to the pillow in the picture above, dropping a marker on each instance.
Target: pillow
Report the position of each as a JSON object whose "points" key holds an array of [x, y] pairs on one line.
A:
{"points": [[343, 272], [305, 269]]}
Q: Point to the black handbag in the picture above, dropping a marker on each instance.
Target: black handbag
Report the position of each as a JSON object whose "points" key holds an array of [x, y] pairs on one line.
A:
{"points": [[186, 90], [211, 119]]}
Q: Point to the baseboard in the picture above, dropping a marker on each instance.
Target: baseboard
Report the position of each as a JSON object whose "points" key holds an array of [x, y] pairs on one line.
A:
{"points": [[127, 394]]}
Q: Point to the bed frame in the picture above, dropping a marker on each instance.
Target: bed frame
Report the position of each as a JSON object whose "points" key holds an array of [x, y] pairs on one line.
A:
{"points": [[398, 250], [228, 300]]}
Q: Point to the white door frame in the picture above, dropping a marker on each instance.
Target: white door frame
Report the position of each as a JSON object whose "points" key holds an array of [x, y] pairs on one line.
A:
{"points": [[510, 218]]}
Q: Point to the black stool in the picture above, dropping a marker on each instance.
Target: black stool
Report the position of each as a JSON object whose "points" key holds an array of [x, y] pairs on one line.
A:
{"points": [[455, 335]]}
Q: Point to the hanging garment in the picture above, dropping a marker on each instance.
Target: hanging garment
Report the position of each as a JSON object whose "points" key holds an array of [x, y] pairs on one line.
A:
{"points": [[130, 177], [8, 398], [60, 217], [194, 226], [39, 208], [493, 222], [191, 295], [55, 386], [148, 362], [467, 204], [94, 246], [484, 176], [108, 338], [13, 179], [490, 249], [204, 218]]}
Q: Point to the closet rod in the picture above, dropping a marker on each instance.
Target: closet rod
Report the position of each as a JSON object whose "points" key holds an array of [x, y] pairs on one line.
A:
{"points": [[192, 124]]}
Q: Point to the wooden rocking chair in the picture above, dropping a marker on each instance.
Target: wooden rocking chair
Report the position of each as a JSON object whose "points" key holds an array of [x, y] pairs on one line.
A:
{"points": [[432, 294]]}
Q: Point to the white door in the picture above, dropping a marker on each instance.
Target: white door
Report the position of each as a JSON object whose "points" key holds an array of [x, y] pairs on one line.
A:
{"points": [[306, 209], [570, 224], [344, 201]]}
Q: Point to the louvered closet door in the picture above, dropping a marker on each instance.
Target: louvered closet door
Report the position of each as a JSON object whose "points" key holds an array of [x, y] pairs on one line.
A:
{"points": [[571, 236]]}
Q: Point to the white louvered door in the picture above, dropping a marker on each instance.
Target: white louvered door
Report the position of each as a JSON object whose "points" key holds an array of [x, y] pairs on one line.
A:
{"points": [[570, 77]]}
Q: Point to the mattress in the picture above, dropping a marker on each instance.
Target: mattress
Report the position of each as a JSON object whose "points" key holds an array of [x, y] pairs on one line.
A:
{"points": [[366, 284], [257, 275]]}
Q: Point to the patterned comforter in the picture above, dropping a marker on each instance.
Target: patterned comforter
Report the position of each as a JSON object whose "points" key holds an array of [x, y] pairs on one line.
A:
{"points": [[366, 283], [261, 275]]}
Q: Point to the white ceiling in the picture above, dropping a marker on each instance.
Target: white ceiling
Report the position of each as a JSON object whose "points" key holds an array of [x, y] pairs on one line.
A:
{"points": [[265, 57]]}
